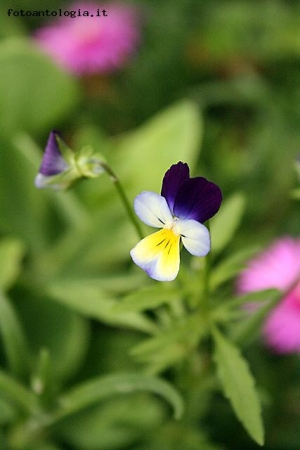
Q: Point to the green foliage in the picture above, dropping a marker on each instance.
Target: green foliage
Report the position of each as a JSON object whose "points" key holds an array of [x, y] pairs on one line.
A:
{"points": [[11, 253], [94, 354], [238, 385], [98, 304], [224, 225], [94, 391], [33, 92]]}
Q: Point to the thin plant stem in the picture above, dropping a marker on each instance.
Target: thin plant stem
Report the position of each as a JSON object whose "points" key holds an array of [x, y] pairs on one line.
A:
{"points": [[124, 199]]}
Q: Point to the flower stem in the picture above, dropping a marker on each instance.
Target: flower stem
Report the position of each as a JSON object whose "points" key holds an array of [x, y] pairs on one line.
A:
{"points": [[124, 199]]}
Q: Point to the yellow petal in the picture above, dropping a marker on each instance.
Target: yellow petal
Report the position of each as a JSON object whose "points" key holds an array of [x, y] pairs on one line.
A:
{"points": [[158, 255]]}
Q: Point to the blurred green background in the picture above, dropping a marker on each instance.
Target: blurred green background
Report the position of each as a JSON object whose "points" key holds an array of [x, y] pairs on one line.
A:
{"points": [[213, 83]]}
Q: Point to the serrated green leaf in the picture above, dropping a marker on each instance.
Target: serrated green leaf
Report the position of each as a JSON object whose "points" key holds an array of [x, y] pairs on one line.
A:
{"points": [[11, 253], [224, 224], [13, 338], [92, 301], [238, 385], [99, 389]]}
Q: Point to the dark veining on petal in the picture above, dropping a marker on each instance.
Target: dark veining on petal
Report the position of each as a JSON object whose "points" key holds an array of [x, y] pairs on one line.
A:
{"points": [[160, 242], [167, 243]]}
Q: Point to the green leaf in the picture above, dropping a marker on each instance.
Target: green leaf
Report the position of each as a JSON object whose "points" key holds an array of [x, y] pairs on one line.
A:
{"points": [[231, 266], [143, 156], [49, 325], [11, 254], [7, 412], [11, 389], [171, 345], [149, 297], [238, 385], [295, 194], [251, 326], [116, 424], [251, 297], [34, 92], [13, 338], [91, 300], [21, 205], [99, 389], [224, 225]]}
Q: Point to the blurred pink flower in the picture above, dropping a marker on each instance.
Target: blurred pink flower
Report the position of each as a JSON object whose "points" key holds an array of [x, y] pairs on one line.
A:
{"points": [[278, 267], [92, 44]]}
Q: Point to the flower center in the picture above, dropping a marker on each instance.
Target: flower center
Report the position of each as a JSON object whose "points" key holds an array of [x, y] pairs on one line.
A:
{"points": [[173, 226], [168, 238]]}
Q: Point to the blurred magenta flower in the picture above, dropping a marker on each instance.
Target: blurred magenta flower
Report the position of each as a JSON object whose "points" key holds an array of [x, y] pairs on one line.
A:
{"points": [[61, 167], [278, 267], [184, 204], [92, 44]]}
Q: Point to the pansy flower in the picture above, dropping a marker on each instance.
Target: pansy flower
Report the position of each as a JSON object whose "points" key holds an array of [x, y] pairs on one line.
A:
{"points": [[184, 205], [61, 167], [278, 267]]}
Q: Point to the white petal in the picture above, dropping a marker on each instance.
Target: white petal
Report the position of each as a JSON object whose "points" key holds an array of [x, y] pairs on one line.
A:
{"points": [[195, 237], [152, 209]]}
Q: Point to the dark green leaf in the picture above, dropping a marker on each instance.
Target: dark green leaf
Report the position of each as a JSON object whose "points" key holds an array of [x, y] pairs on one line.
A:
{"points": [[13, 338]]}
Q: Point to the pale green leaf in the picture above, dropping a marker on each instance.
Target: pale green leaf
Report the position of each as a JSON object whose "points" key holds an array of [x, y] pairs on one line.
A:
{"points": [[34, 92], [223, 225], [143, 156], [92, 301], [238, 385], [295, 194], [99, 389], [11, 254]]}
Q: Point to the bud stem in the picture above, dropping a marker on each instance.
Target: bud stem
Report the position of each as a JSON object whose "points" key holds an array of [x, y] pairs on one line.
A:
{"points": [[124, 199]]}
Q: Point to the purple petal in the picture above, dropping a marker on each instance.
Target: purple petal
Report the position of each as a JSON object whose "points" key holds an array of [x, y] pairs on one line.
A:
{"points": [[197, 199], [173, 179], [53, 162]]}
